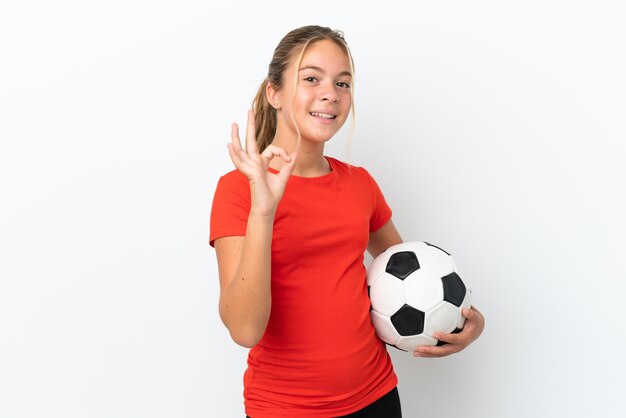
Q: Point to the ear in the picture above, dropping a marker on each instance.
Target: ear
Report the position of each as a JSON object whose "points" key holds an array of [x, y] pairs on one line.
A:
{"points": [[273, 96]]}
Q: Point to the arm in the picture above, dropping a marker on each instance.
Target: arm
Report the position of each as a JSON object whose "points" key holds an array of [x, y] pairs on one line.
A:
{"points": [[244, 262], [245, 284], [383, 238]]}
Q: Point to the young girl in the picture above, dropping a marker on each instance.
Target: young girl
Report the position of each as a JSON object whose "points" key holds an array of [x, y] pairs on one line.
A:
{"points": [[290, 227]]}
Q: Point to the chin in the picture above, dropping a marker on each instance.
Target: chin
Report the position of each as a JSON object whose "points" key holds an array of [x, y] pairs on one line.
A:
{"points": [[320, 138], [320, 135]]}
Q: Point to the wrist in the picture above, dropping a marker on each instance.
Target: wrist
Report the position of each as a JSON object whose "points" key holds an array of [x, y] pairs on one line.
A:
{"points": [[262, 215]]}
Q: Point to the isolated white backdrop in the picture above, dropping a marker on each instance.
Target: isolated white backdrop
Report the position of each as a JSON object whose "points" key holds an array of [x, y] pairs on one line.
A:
{"points": [[495, 130]]}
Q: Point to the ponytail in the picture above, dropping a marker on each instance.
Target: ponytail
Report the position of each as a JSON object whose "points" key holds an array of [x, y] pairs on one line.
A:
{"points": [[265, 118]]}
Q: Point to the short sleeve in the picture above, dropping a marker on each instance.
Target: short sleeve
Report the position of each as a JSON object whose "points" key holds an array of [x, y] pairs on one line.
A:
{"points": [[231, 207], [381, 212]]}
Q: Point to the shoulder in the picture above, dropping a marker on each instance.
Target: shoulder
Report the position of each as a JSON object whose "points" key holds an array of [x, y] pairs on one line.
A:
{"points": [[234, 177], [230, 206], [232, 195], [232, 187], [348, 169], [356, 175], [233, 180]]}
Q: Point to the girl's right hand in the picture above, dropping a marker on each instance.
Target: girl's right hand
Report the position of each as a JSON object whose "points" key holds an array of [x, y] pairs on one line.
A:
{"points": [[266, 188]]}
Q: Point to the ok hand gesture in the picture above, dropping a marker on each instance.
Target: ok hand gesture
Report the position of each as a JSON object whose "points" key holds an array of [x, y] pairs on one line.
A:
{"points": [[266, 188]]}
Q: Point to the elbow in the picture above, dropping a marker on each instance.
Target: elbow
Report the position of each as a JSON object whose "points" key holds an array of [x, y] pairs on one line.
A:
{"points": [[246, 339], [244, 334]]}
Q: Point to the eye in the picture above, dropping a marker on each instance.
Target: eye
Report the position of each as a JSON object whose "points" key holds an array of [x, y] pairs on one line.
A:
{"points": [[310, 79], [344, 84]]}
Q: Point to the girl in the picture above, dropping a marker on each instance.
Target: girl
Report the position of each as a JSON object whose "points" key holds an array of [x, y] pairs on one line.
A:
{"points": [[290, 227]]}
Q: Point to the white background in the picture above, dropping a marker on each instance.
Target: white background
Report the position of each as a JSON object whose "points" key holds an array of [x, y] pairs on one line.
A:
{"points": [[495, 130]]}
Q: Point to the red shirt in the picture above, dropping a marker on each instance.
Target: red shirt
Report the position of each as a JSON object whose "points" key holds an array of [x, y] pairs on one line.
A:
{"points": [[319, 356]]}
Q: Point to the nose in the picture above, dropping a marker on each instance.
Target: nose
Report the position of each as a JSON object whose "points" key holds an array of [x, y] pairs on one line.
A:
{"points": [[329, 94]]}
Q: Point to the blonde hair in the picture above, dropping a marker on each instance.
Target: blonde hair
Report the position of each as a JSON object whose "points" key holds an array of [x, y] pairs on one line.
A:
{"points": [[295, 42]]}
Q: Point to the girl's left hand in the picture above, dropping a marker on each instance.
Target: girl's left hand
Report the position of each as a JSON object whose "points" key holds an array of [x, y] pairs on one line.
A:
{"points": [[473, 327]]}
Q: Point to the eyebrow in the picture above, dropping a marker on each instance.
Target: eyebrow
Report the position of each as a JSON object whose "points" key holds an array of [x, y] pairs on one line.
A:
{"points": [[318, 69]]}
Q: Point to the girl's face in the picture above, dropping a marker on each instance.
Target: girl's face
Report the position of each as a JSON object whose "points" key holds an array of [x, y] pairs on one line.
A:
{"points": [[322, 93]]}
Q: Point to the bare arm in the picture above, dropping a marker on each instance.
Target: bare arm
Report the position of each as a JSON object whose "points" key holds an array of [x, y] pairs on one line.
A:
{"points": [[244, 262], [383, 238], [245, 284]]}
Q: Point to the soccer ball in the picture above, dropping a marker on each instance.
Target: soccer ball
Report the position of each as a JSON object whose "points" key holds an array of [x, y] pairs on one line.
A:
{"points": [[415, 291]]}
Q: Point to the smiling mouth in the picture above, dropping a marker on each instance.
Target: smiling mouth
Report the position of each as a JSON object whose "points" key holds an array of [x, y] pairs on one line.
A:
{"points": [[322, 115]]}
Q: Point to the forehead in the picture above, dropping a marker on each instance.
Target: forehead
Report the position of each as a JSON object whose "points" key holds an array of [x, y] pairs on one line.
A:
{"points": [[326, 55]]}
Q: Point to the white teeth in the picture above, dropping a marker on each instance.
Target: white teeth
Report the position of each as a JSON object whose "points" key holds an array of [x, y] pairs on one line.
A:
{"points": [[323, 115]]}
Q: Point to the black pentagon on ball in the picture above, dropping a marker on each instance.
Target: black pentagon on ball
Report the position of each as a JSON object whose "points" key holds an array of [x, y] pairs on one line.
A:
{"points": [[408, 321], [453, 289], [402, 263]]}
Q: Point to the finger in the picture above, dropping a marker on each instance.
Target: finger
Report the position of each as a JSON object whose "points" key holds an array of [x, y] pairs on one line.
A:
{"points": [[234, 137], [287, 168], [468, 313], [424, 354], [456, 338], [273, 151], [251, 147], [435, 351], [428, 355], [233, 155]]}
